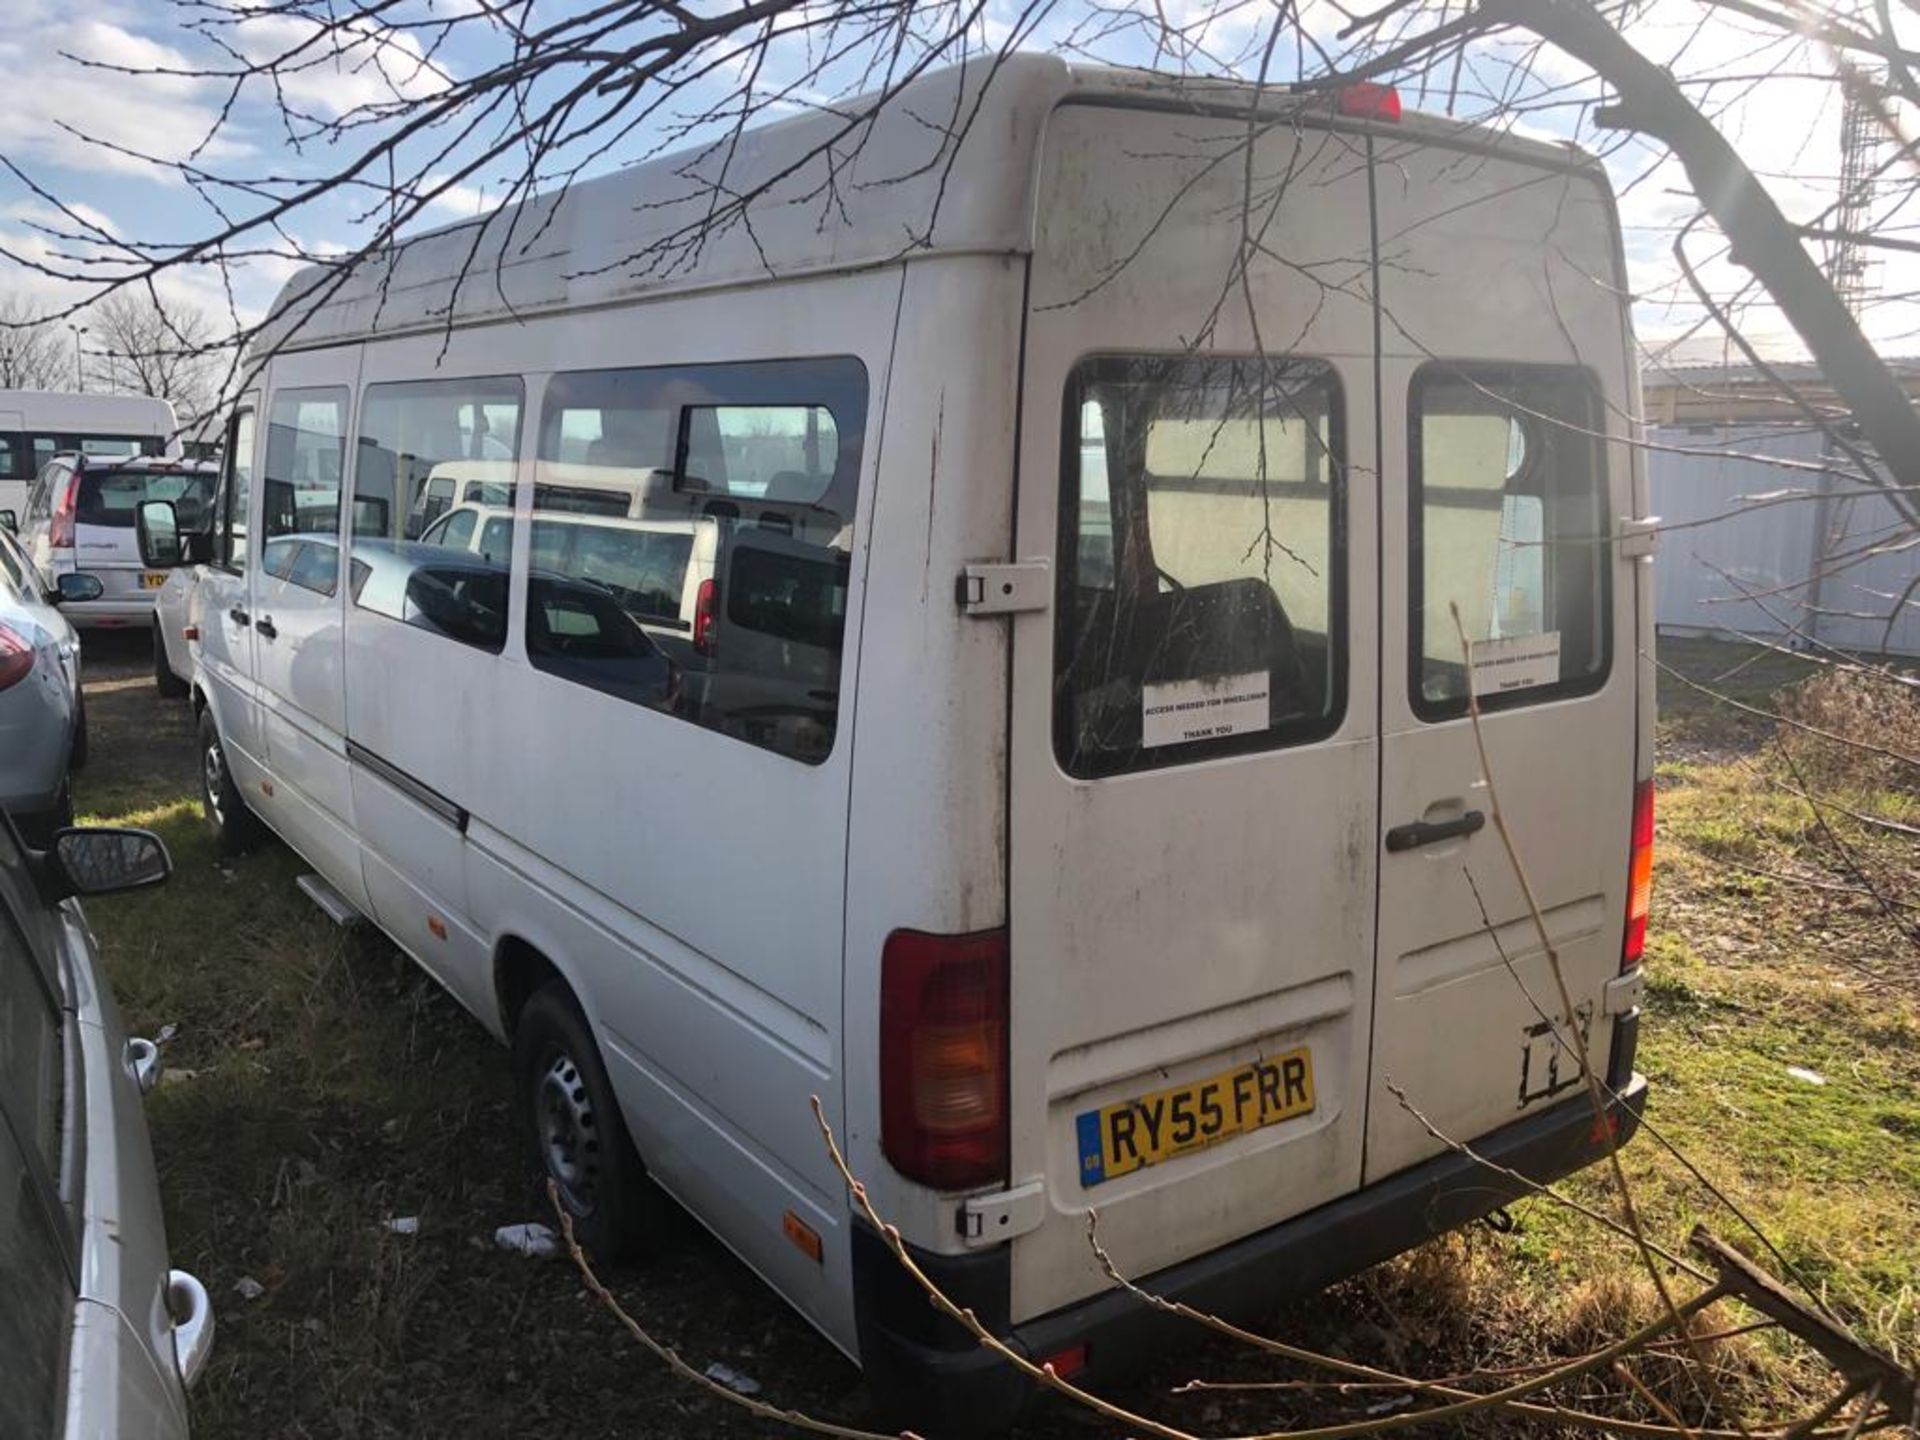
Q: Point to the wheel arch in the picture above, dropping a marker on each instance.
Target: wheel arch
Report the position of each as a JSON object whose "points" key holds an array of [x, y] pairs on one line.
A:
{"points": [[520, 968]]}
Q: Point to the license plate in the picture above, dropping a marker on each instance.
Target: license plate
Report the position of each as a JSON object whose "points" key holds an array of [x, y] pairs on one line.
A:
{"points": [[153, 579], [1118, 1139]]}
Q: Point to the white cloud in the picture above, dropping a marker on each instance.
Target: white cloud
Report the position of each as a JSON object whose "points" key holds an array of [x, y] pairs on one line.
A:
{"points": [[331, 73], [147, 114]]}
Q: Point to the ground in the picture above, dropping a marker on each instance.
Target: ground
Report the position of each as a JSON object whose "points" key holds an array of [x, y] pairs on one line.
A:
{"points": [[318, 1086]]}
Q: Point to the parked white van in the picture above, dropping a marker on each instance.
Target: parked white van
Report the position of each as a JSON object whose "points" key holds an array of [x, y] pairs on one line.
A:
{"points": [[1100, 824]]}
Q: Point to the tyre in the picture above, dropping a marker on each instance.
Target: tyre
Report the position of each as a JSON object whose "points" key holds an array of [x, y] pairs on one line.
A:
{"points": [[77, 754], [170, 685], [233, 825], [574, 1130]]}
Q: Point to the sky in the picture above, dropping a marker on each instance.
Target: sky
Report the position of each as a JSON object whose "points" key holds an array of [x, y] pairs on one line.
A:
{"points": [[80, 133]]}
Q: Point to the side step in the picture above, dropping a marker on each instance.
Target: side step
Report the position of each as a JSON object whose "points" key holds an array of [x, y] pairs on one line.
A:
{"points": [[335, 906]]}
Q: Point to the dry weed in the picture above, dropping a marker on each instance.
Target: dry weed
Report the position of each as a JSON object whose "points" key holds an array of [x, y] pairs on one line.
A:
{"points": [[1867, 708]]}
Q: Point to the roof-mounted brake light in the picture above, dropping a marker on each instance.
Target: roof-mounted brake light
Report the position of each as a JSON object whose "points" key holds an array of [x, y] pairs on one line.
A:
{"points": [[1363, 100]]}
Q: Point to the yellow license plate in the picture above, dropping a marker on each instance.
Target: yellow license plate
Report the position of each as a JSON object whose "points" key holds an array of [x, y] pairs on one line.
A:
{"points": [[1118, 1139], [153, 579]]}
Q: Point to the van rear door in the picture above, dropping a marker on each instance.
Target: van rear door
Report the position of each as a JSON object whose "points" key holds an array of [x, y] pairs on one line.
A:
{"points": [[1194, 822], [1506, 472]]}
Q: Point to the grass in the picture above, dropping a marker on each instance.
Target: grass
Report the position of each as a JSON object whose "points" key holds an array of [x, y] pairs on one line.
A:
{"points": [[320, 1085]]}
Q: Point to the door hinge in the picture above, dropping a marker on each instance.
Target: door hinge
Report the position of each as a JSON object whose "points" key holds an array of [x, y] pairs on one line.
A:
{"points": [[988, 1219], [1623, 992], [1004, 589], [1639, 536]]}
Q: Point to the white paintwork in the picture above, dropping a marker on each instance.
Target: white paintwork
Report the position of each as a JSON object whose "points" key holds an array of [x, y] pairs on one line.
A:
{"points": [[720, 910]]}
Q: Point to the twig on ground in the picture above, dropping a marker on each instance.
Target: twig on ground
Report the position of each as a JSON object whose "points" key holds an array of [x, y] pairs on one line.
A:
{"points": [[668, 1356]]}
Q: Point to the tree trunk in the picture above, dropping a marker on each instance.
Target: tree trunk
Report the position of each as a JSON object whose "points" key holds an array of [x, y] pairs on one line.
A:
{"points": [[1762, 240]]}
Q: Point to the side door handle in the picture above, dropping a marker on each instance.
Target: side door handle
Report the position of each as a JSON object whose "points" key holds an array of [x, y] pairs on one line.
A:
{"points": [[1426, 832], [264, 628], [239, 617]]}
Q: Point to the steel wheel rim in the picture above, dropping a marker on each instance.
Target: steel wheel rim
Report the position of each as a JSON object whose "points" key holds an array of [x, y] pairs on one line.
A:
{"points": [[214, 769], [569, 1137]]}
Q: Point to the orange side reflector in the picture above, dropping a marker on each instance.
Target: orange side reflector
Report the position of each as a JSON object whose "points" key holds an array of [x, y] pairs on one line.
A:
{"points": [[804, 1237], [191, 632], [437, 926], [266, 787]]}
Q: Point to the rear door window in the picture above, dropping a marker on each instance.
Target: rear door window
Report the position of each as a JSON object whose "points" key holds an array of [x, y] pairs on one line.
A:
{"points": [[1202, 569], [109, 498], [1510, 531]]}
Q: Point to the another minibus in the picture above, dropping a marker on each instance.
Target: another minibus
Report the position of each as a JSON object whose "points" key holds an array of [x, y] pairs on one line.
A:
{"points": [[36, 425], [1077, 790]]}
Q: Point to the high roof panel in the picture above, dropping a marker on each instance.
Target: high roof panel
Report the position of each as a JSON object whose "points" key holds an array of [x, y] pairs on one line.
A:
{"points": [[944, 169]]}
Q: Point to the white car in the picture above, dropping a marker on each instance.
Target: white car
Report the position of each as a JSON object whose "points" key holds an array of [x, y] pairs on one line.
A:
{"points": [[80, 519], [172, 636], [101, 1337]]}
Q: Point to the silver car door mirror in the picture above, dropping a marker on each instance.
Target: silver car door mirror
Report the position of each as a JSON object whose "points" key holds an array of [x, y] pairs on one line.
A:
{"points": [[100, 861], [76, 586]]}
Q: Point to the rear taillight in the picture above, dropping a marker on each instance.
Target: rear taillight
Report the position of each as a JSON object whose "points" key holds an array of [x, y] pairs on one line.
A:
{"points": [[943, 1057], [16, 658], [1639, 876], [705, 602], [60, 533]]}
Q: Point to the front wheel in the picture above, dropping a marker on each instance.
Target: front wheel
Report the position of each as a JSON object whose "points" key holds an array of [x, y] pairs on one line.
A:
{"points": [[573, 1125], [170, 685], [233, 825]]}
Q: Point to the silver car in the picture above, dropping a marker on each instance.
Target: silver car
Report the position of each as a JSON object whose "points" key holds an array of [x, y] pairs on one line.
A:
{"points": [[99, 1337], [42, 717]]}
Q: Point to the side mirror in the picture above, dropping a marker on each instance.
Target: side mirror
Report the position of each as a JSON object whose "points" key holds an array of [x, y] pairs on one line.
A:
{"points": [[196, 548], [9, 521], [76, 585], [157, 528], [99, 861]]}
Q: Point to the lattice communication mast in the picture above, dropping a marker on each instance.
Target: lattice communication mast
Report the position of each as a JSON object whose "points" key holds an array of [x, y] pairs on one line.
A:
{"points": [[1849, 262]]}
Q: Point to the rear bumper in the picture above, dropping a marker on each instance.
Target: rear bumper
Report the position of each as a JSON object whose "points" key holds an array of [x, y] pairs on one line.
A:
{"points": [[925, 1369], [119, 612]]}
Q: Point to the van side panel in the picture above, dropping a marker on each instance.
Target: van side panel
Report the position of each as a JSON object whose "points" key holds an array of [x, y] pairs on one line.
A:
{"points": [[927, 834], [688, 885]]}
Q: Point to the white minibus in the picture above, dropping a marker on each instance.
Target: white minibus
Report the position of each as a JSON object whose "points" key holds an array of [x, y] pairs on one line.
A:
{"points": [[1076, 789], [36, 425]]}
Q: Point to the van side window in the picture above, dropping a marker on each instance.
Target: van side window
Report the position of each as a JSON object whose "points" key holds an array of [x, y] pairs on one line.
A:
{"points": [[230, 541], [1202, 568], [435, 460], [1509, 525], [691, 538], [306, 451]]}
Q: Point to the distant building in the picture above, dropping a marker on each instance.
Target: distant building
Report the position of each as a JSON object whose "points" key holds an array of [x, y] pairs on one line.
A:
{"points": [[1821, 561]]}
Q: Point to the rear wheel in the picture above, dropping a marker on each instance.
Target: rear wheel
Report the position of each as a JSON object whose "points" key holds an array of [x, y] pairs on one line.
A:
{"points": [[574, 1128], [234, 826], [170, 685]]}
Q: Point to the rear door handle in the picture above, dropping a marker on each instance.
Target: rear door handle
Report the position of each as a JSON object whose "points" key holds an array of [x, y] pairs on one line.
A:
{"points": [[1427, 832], [239, 616], [263, 627]]}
